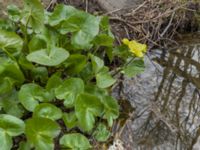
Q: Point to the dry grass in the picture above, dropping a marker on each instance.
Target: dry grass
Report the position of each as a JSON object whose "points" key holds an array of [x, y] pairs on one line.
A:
{"points": [[155, 22]]}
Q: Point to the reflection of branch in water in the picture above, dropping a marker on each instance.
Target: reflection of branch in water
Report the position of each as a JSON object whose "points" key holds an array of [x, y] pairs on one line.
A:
{"points": [[173, 109]]}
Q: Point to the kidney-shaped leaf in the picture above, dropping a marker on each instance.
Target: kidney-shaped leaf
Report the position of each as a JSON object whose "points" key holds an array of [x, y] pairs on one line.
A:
{"points": [[30, 94], [52, 58], [13, 126], [10, 42], [69, 90], [75, 141], [47, 111], [33, 14], [87, 107], [41, 131], [70, 119], [5, 140]]}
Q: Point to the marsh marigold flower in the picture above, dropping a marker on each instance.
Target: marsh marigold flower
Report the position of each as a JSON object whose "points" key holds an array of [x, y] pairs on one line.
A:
{"points": [[136, 48]]}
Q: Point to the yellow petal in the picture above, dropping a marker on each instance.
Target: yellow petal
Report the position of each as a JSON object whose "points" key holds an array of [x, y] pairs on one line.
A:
{"points": [[125, 41]]}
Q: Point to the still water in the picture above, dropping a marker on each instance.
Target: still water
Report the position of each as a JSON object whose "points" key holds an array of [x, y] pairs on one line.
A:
{"points": [[166, 99]]}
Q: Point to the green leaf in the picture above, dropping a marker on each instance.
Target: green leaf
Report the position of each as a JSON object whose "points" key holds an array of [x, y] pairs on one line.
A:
{"points": [[88, 29], [104, 79], [40, 74], [5, 140], [87, 107], [36, 43], [10, 69], [70, 119], [10, 42], [103, 40], [75, 141], [11, 125], [30, 94], [24, 146], [134, 68], [60, 13], [101, 134], [75, 63], [47, 111], [95, 90], [11, 104], [40, 132], [13, 13], [33, 15], [55, 57], [111, 109], [69, 90], [53, 82], [97, 63], [6, 85]]}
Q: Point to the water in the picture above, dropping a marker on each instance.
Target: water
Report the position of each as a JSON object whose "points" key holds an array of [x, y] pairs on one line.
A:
{"points": [[166, 98]]}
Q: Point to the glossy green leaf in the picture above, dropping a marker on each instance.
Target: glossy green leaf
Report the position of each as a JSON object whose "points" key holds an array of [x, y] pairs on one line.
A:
{"points": [[134, 68], [30, 95], [10, 69], [53, 58], [41, 131], [89, 28], [46, 110], [11, 125], [53, 82], [10, 42], [104, 79], [24, 146], [101, 134], [111, 109], [87, 107], [11, 104], [36, 43], [75, 141], [97, 63], [70, 119], [40, 74], [14, 13], [60, 13], [75, 63], [103, 40], [5, 140], [6, 85], [33, 15], [69, 90]]}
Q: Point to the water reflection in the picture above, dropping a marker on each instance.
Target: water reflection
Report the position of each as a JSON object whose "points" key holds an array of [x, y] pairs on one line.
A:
{"points": [[167, 102]]}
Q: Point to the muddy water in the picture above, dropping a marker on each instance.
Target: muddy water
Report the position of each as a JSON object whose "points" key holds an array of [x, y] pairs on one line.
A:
{"points": [[166, 98]]}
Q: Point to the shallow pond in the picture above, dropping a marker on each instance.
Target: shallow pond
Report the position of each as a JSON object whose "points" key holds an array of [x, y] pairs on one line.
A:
{"points": [[166, 98]]}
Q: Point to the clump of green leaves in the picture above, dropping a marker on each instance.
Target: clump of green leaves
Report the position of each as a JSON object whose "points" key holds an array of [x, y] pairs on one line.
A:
{"points": [[58, 67]]}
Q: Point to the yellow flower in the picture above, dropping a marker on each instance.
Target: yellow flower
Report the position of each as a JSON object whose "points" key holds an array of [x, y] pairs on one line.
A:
{"points": [[136, 48]]}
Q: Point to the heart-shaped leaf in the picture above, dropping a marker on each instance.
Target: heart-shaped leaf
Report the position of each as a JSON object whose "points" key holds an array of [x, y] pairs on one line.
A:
{"points": [[53, 58], [33, 15], [30, 94], [5, 140], [10, 42], [97, 63], [11, 125], [70, 119], [47, 111], [60, 13], [104, 79], [75, 63], [41, 131], [87, 107], [75, 141], [69, 90]]}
